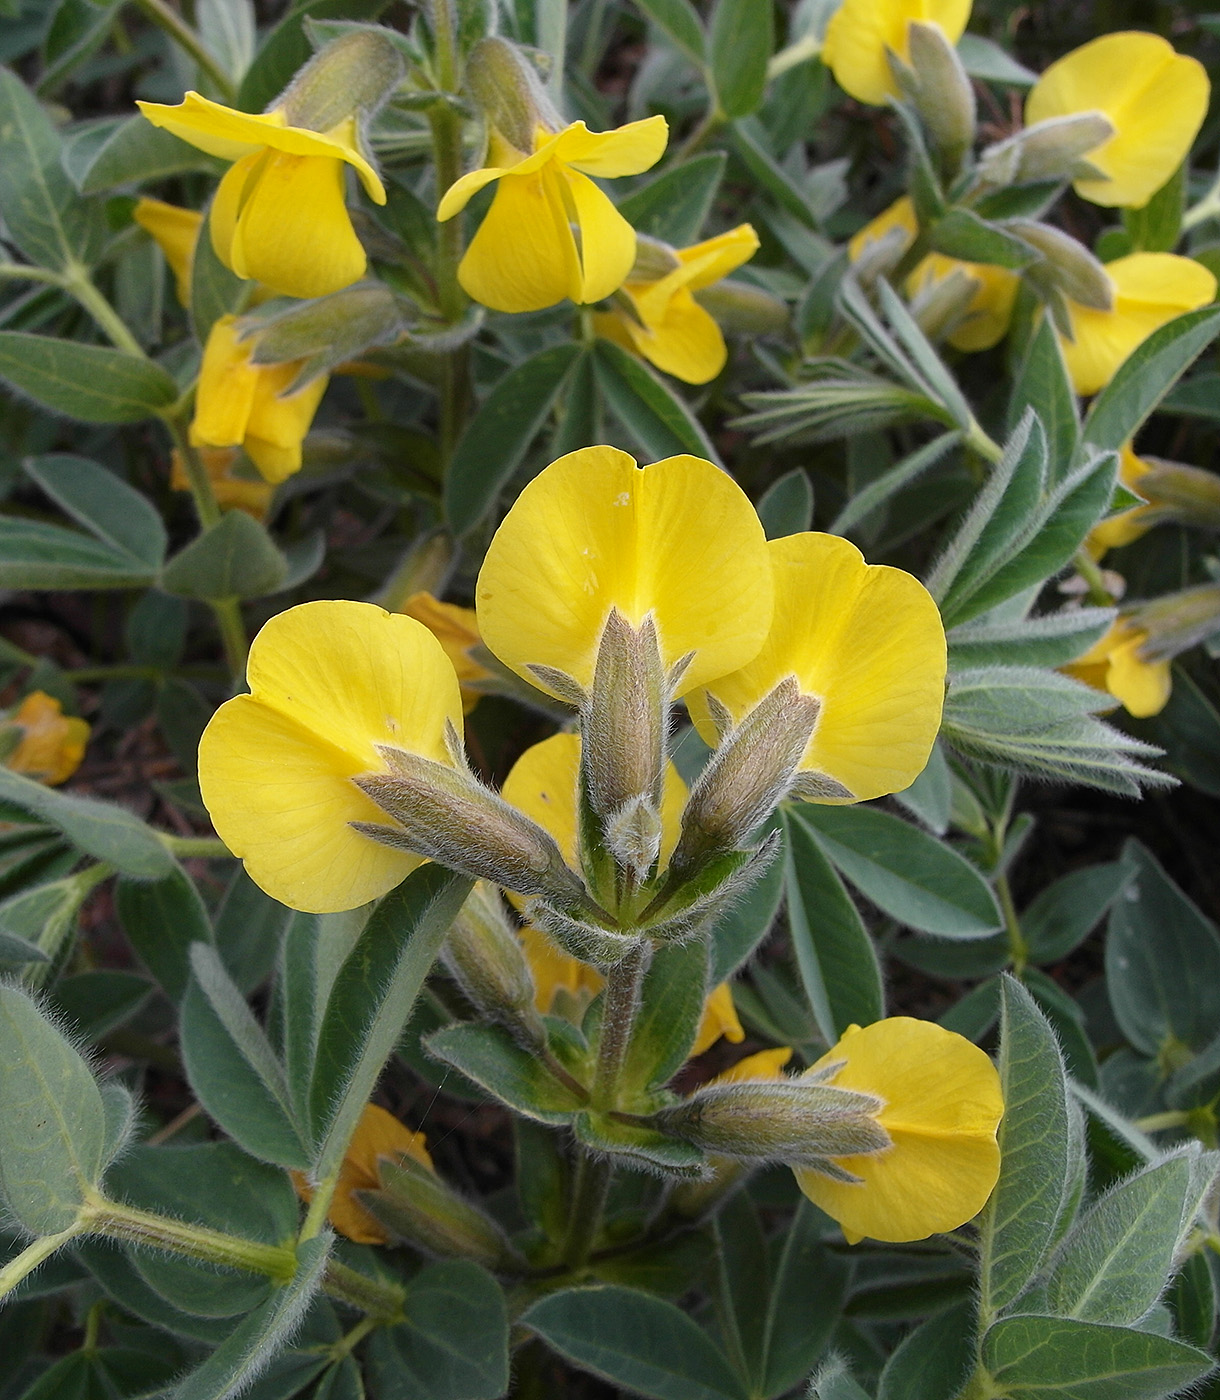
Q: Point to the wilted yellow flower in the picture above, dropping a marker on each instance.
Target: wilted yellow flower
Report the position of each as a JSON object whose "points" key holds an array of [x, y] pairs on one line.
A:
{"points": [[241, 404], [942, 1107], [543, 784], [866, 641], [550, 232], [665, 324], [1113, 665], [378, 1135], [330, 683], [279, 216], [1130, 524], [594, 532], [1149, 290], [989, 311], [51, 745], [860, 32], [1154, 98], [457, 630], [231, 492], [175, 231]]}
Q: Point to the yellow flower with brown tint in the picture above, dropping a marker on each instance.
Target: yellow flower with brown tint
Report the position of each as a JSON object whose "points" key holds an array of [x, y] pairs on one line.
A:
{"points": [[51, 744], [550, 232], [662, 321], [1154, 98], [231, 491], [941, 1107], [457, 630], [1115, 666], [379, 1135], [241, 404]]}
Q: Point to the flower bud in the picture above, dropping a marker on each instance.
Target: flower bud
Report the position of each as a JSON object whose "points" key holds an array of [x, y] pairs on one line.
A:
{"points": [[417, 1206], [1178, 492], [1068, 266], [747, 776], [623, 724], [941, 305], [355, 73], [936, 84], [789, 1121], [447, 815], [484, 956], [653, 260], [1049, 150], [507, 87], [744, 308], [1176, 622], [633, 835]]}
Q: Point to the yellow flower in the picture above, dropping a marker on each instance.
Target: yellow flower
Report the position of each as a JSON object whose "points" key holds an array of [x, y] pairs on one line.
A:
{"points": [[1149, 290], [378, 1135], [860, 32], [51, 745], [989, 311], [942, 1108], [1154, 98], [763, 1064], [526, 255], [543, 784], [457, 630], [1113, 665], [330, 683], [593, 532], [279, 216], [175, 231], [241, 404], [867, 642], [666, 325], [1130, 524], [231, 492]]}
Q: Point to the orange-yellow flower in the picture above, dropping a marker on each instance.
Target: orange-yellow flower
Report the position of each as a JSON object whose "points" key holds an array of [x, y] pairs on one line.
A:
{"points": [[51, 745], [457, 630], [1114, 665], [231, 492]]}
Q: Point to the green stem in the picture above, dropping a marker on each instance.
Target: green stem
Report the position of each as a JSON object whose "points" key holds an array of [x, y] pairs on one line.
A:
{"points": [[123, 1222], [984, 445], [589, 1189], [352, 1339], [623, 983], [33, 1255], [315, 1216], [28, 273], [1089, 570], [186, 38], [381, 1301], [1159, 1122], [1018, 948], [197, 847], [93, 1325], [78, 282], [711, 120]]}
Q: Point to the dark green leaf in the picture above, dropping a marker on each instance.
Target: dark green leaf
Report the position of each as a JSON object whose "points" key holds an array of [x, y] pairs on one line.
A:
{"points": [[1157, 227], [499, 435], [216, 290], [133, 151], [835, 955], [807, 1296], [910, 875], [104, 504], [962, 234], [742, 38], [488, 1056], [636, 1341], [161, 919], [737, 933], [98, 1001], [90, 382], [671, 1007], [933, 1361], [1043, 381], [675, 205], [234, 559], [35, 555], [660, 423], [787, 506], [1064, 913], [680, 20]]}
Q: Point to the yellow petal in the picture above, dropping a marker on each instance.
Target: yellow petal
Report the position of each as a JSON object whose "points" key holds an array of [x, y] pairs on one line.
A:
{"points": [[1149, 290], [860, 31], [607, 240], [227, 384], [329, 682], [227, 204], [719, 1019], [176, 232], [293, 231], [523, 258], [593, 532], [942, 1108], [714, 258], [900, 214], [543, 784], [457, 630], [628, 150], [867, 641], [229, 134], [462, 191], [681, 338], [1155, 98], [280, 423], [1142, 686], [52, 744], [989, 311]]}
